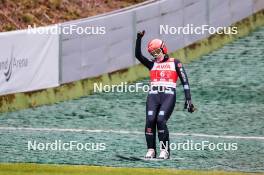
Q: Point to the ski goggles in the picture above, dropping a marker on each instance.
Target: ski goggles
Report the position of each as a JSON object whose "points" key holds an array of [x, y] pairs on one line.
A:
{"points": [[156, 53]]}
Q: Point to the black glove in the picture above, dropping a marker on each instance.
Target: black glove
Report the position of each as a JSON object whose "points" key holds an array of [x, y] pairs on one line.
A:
{"points": [[140, 34], [189, 106]]}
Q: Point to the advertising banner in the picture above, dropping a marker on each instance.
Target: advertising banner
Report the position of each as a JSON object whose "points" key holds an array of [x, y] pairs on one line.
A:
{"points": [[28, 61]]}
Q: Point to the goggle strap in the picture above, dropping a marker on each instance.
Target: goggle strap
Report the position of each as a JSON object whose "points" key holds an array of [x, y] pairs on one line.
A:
{"points": [[161, 47]]}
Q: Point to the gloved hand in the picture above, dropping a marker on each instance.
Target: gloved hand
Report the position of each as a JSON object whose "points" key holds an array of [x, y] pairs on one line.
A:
{"points": [[140, 34], [189, 106]]}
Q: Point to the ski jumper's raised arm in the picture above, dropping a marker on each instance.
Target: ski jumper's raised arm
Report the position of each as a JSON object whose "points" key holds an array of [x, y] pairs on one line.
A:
{"points": [[184, 79], [140, 57]]}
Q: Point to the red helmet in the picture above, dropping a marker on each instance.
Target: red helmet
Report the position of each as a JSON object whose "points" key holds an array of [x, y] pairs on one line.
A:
{"points": [[157, 44]]}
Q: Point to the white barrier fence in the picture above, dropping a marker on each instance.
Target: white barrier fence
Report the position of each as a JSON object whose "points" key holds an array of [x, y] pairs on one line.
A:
{"points": [[36, 61], [87, 55]]}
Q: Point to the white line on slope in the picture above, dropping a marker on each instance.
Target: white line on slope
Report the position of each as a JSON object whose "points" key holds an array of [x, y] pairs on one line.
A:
{"points": [[128, 132]]}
